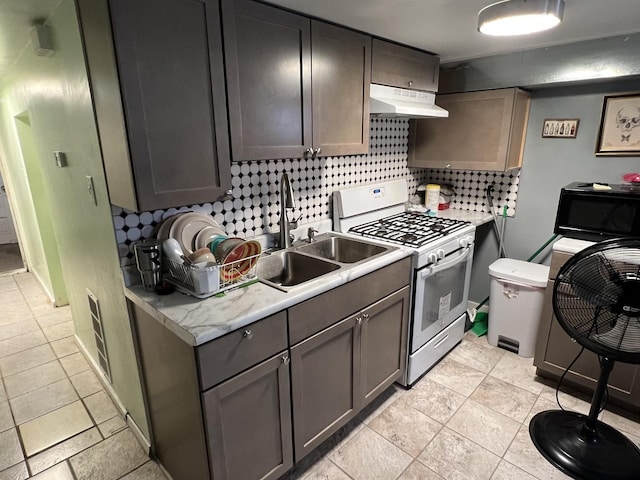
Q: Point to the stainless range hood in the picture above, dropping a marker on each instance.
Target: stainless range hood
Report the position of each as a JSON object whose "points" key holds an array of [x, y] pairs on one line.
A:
{"points": [[401, 102]]}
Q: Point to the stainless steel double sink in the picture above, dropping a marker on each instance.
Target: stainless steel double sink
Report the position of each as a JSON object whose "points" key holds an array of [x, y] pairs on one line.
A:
{"points": [[327, 253]]}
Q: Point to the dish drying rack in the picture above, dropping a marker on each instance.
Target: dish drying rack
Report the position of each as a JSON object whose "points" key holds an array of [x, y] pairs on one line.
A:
{"points": [[214, 278]]}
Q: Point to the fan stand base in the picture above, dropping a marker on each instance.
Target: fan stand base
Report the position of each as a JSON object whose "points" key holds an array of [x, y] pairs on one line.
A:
{"points": [[563, 439]]}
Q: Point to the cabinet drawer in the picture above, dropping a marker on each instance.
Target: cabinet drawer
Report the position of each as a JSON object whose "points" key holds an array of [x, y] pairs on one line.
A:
{"points": [[226, 356], [432, 351], [318, 313]]}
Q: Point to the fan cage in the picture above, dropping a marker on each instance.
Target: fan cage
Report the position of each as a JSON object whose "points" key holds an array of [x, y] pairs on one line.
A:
{"points": [[596, 299]]}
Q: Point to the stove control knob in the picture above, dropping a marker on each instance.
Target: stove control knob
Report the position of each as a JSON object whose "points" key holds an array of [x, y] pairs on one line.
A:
{"points": [[466, 241], [432, 258], [440, 254]]}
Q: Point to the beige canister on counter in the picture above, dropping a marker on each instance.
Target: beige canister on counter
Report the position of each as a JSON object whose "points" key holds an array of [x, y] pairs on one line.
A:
{"points": [[432, 198]]}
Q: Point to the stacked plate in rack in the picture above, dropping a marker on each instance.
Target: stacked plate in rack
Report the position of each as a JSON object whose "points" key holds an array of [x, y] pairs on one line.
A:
{"points": [[191, 230], [195, 231]]}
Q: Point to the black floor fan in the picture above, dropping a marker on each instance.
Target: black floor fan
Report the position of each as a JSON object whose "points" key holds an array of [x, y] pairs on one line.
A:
{"points": [[596, 299]]}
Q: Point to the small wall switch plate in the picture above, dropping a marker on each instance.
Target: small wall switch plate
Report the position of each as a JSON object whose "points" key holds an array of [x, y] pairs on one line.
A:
{"points": [[91, 189], [61, 159]]}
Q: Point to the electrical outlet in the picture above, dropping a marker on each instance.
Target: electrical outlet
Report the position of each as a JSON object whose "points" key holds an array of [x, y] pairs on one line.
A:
{"points": [[91, 189]]}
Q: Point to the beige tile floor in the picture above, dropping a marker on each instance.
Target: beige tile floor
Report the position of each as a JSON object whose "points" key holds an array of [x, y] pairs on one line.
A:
{"points": [[56, 420], [466, 419]]}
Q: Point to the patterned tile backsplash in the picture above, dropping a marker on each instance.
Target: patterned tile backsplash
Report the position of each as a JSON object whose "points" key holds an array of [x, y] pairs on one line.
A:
{"points": [[255, 205], [470, 189]]}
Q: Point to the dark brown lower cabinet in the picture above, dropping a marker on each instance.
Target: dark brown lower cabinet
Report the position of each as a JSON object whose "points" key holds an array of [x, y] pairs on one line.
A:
{"points": [[336, 372], [222, 409], [251, 403], [248, 420], [555, 351]]}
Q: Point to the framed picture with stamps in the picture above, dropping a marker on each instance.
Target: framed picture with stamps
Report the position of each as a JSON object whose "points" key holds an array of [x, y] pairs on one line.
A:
{"points": [[560, 128], [620, 126]]}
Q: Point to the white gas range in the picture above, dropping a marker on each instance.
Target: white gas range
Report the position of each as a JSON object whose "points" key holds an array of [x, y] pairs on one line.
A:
{"points": [[442, 255]]}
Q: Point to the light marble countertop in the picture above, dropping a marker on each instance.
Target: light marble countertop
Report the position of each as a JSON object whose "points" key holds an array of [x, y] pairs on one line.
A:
{"points": [[198, 321], [477, 218], [570, 245]]}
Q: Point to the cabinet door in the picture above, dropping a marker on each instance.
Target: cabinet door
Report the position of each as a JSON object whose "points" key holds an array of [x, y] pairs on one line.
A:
{"points": [[325, 370], [267, 55], [399, 66], [169, 54], [340, 77], [383, 344], [484, 131], [248, 421]]}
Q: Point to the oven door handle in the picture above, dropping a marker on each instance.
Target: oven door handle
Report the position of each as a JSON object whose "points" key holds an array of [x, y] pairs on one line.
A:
{"points": [[459, 258]]}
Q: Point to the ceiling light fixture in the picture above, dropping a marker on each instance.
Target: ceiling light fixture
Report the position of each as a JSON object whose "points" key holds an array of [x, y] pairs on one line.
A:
{"points": [[519, 17]]}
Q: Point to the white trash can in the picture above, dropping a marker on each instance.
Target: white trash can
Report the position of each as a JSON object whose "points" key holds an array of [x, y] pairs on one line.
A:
{"points": [[515, 304]]}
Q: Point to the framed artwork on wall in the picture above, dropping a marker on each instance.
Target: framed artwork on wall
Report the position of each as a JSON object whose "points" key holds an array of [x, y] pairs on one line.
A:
{"points": [[620, 126], [560, 127]]}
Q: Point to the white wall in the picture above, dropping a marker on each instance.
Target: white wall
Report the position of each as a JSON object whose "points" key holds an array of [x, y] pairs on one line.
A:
{"points": [[55, 92]]}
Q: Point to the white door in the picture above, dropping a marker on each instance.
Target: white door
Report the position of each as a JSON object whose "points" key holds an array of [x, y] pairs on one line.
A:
{"points": [[7, 230]]}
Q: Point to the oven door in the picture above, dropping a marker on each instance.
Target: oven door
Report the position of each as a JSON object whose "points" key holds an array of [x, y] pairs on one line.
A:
{"points": [[441, 294]]}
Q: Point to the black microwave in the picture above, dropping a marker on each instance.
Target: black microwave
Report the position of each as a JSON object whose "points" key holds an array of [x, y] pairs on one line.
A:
{"points": [[596, 213]]}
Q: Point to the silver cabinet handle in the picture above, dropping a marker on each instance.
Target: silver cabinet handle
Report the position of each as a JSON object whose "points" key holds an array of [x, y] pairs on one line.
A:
{"points": [[317, 152], [286, 359], [359, 320], [309, 152], [410, 83], [365, 316], [248, 334], [448, 165]]}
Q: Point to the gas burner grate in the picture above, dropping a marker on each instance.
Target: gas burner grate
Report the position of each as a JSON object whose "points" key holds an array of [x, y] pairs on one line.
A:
{"points": [[409, 229]]}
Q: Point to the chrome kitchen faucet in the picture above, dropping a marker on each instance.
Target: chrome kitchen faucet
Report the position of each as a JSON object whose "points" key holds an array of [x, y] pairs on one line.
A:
{"points": [[286, 203]]}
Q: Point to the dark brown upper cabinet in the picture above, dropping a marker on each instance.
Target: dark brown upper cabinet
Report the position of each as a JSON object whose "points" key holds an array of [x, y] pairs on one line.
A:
{"points": [[268, 61], [399, 66], [485, 130], [296, 87], [340, 80], [157, 79]]}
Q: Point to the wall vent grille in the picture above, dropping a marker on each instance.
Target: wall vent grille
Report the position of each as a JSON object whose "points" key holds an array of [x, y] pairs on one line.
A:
{"points": [[98, 334]]}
